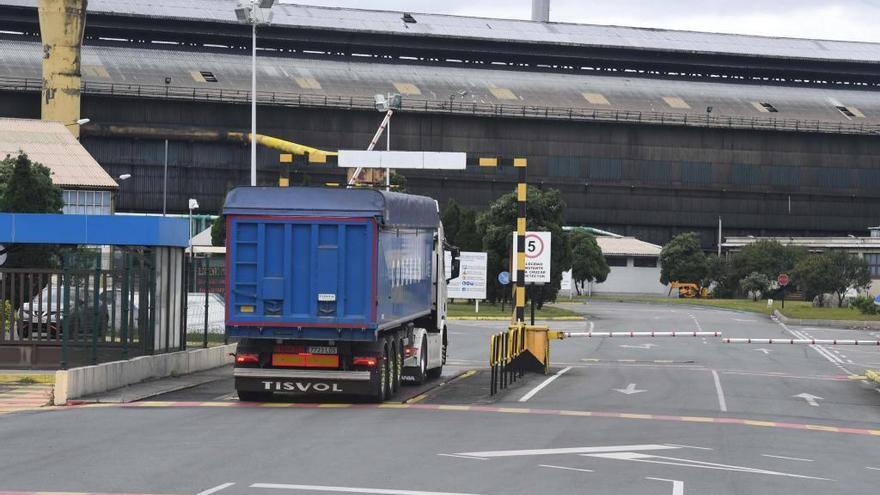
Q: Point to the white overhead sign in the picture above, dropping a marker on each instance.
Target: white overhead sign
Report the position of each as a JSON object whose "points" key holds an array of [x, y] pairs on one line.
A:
{"points": [[471, 281], [537, 258], [565, 284], [427, 160]]}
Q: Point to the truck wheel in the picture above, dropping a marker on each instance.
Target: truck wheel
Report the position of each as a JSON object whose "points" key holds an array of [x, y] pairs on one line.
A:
{"points": [[380, 387], [435, 372], [422, 373], [397, 361], [248, 396]]}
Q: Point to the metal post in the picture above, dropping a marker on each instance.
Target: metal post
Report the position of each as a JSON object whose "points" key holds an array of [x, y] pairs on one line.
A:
{"points": [[205, 339], [533, 308], [165, 182], [126, 287], [521, 191], [388, 148], [719, 236], [96, 313], [65, 315], [253, 100]]}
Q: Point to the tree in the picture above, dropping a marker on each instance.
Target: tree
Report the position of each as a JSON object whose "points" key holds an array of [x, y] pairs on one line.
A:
{"points": [[682, 259], [496, 225], [755, 283], [218, 231], [26, 187], [588, 264], [460, 227], [832, 271], [767, 257], [720, 272]]}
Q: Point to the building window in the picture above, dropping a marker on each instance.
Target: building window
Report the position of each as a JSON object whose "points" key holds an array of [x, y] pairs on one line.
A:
{"points": [[645, 262], [873, 261], [616, 260], [78, 202]]}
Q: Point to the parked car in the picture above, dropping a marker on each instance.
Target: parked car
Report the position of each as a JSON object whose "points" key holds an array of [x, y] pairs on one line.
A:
{"points": [[43, 315]]}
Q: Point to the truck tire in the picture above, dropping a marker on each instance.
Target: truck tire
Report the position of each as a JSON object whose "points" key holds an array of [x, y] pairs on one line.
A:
{"points": [[422, 373], [435, 372], [397, 360], [248, 396], [380, 387]]}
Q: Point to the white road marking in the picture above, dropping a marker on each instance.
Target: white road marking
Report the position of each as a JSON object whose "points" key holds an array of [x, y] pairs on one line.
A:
{"points": [[818, 348], [567, 468], [744, 320], [696, 322], [591, 326], [788, 458], [765, 351], [688, 446], [629, 390], [216, 489], [722, 403], [674, 461], [465, 457], [568, 450], [531, 393], [872, 468], [350, 489], [810, 398], [677, 486], [639, 346]]}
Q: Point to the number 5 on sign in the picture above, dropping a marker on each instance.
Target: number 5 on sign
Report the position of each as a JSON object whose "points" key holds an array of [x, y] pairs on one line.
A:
{"points": [[537, 258]]}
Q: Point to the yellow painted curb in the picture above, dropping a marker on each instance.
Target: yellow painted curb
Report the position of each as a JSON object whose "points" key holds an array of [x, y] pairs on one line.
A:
{"points": [[26, 378], [874, 376]]}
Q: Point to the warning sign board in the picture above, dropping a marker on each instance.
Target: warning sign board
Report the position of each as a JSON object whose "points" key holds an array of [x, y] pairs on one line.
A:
{"points": [[537, 258], [471, 281]]}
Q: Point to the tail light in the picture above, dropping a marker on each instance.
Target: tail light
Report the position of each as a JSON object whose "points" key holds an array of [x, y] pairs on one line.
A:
{"points": [[247, 358], [364, 361], [409, 351]]}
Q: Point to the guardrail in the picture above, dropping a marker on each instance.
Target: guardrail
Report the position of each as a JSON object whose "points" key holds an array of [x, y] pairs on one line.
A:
{"points": [[290, 99], [504, 347]]}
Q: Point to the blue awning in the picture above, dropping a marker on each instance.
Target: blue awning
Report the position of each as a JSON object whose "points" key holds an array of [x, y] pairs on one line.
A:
{"points": [[96, 230]]}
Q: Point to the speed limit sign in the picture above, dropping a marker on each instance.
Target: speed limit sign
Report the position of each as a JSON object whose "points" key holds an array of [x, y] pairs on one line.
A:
{"points": [[537, 258]]}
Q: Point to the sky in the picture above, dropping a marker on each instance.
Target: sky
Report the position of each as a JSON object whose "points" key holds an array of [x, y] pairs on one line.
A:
{"points": [[850, 20]]}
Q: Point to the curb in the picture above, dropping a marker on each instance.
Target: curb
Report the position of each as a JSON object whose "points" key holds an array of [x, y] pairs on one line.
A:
{"points": [[850, 324], [874, 376]]}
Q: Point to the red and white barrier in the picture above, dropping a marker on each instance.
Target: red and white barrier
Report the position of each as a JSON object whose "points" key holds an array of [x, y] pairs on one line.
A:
{"points": [[802, 341], [641, 334]]}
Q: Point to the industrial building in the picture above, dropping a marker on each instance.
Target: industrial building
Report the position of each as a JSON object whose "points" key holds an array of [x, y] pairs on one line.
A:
{"points": [[646, 132]]}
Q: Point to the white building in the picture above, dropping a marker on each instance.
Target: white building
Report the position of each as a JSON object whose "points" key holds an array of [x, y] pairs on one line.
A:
{"points": [[634, 267]]}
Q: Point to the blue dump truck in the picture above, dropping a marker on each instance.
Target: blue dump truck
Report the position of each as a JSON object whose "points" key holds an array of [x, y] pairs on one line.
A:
{"points": [[334, 291]]}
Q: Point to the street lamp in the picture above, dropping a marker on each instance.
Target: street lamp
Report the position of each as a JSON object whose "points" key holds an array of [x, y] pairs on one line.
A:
{"points": [[122, 178], [254, 12], [388, 104]]}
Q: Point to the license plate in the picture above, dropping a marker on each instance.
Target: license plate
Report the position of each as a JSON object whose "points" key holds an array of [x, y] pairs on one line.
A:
{"points": [[318, 349], [305, 361]]}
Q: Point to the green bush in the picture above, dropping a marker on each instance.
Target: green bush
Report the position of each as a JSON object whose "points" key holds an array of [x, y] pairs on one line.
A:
{"points": [[6, 315], [865, 304]]}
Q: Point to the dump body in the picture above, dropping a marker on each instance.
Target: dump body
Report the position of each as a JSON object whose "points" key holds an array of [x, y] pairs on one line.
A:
{"points": [[327, 264]]}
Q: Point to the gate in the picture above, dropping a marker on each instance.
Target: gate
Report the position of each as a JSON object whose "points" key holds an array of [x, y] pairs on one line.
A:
{"points": [[84, 313]]}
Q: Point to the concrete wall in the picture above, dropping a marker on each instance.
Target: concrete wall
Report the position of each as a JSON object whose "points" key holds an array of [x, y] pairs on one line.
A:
{"points": [[631, 279], [87, 380]]}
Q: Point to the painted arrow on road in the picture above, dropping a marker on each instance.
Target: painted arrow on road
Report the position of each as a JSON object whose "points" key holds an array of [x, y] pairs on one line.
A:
{"points": [[629, 390], [811, 399], [765, 351], [640, 346]]}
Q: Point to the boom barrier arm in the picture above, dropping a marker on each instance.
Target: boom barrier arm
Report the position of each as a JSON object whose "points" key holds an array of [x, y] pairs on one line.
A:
{"points": [[802, 341], [566, 335]]}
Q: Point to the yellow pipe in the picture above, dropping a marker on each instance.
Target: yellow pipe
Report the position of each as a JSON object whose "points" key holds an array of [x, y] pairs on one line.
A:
{"points": [[315, 155]]}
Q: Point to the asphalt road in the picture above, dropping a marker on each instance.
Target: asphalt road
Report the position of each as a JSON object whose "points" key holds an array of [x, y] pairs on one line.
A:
{"points": [[627, 416]]}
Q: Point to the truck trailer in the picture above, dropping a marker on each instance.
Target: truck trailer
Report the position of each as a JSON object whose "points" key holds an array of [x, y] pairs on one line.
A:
{"points": [[334, 291]]}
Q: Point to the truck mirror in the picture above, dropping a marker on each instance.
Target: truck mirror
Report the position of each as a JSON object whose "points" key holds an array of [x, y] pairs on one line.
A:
{"points": [[456, 263]]}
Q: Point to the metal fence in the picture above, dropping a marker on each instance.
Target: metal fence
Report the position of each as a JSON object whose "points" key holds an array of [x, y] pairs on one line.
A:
{"points": [[83, 313], [454, 107], [206, 303], [503, 348]]}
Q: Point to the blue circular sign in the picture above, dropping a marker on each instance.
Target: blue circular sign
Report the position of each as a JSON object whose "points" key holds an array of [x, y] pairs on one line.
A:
{"points": [[504, 278], [877, 300]]}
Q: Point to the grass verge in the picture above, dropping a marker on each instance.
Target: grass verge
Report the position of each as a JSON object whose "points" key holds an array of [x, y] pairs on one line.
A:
{"points": [[801, 310], [462, 310]]}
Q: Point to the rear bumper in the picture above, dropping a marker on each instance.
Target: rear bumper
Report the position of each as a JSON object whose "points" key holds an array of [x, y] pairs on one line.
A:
{"points": [[303, 382], [302, 333]]}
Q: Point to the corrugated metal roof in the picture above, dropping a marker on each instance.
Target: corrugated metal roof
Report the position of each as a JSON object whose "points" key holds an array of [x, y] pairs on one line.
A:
{"points": [[125, 65], [627, 246], [51, 144], [449, 26]]}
